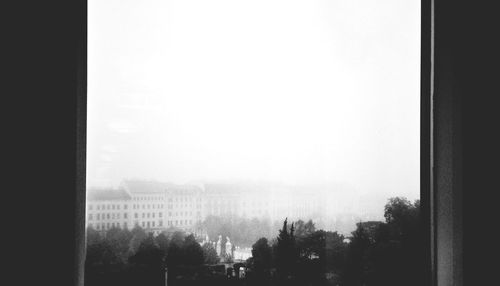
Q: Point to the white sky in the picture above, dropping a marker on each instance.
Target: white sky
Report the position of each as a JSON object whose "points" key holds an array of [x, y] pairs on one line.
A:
{"points": [[282, 90]]}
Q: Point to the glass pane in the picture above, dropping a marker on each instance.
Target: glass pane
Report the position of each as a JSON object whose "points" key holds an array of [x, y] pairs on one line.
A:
{"points": [[248, 118]]}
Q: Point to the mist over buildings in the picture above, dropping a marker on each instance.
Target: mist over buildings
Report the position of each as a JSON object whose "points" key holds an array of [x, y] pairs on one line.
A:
{"points": [[293, 93]]}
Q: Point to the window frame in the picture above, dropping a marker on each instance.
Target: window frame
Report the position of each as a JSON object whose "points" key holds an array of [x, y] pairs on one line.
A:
{"points": [[440, 171]]}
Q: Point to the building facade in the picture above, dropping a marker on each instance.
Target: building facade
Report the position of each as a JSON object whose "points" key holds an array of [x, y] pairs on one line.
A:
{"points": [[156, 206]]}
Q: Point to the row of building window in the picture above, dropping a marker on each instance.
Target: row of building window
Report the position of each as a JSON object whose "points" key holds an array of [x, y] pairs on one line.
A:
{"points": [[148, 224], [148, 198], [107, 216], [170, 206], [183, 213], [179, 222], [107, 207], [108, 225], [136, 206], [147, 215], [184, 199]]}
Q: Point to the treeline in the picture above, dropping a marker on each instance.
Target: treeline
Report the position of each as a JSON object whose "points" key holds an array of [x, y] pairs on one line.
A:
{"points": [[123, 257], [377, 253]]}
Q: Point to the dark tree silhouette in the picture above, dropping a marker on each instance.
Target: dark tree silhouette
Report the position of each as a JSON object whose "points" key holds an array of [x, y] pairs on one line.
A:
{"points": [[138, 235], [286, 255], [163, 242], [262, 257], [210, 254], [148, 254], [193, 254], [356, 260]]}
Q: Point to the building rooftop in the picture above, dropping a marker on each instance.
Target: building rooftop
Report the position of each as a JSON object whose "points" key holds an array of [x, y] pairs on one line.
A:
{"points": [[139, 186], [107, 194], [183, 189]]}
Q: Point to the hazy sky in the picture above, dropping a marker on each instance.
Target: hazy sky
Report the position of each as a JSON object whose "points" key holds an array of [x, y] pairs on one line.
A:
{"points": [[282, 90]]}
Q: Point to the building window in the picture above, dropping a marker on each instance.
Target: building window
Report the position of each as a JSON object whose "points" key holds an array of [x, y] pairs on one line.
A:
{"points": [[160, 214], [90, 217], [136, 215], [124, 215], [125, 207]]}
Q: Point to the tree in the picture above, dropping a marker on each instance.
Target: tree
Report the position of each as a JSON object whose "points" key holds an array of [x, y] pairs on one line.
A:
{"points": [[184, 251], [102, 257], [148, 254], [138, 235], [304, 229], [210, 254], [335, 248], [93, 236], [193, 254], [387, 253], [356, 260], [162, 241], [119, 239], [286, 253], [403, 217], [262, 256], [399, 251], [177, 238]]}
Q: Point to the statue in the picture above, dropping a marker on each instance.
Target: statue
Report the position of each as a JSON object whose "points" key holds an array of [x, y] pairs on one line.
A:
{"points": [[228, 246], [219, 246]]}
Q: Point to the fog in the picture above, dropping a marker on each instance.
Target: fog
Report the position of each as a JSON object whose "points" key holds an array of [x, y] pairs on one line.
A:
{"points": [[296, 92]]}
